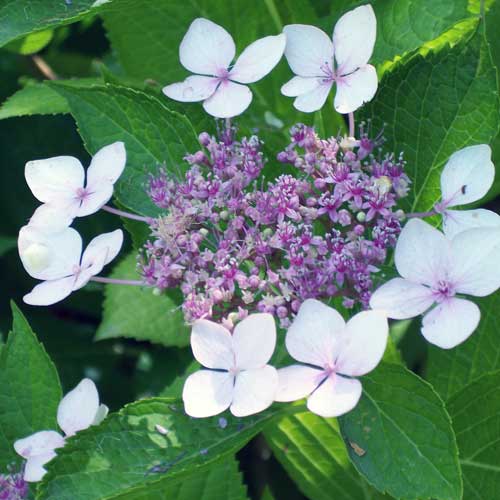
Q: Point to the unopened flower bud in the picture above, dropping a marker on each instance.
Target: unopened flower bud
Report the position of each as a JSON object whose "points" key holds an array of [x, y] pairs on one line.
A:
{"points": [[383, 184], [36, 257], [157, 291], [361, 217], [204, 138]]}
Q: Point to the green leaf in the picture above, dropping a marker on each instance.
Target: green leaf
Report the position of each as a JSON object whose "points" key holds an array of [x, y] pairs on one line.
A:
{"points": [[220, 481], [22, 17], [36, 98], [449, 370], [313, 453], [153, 135], [7, 244], [34, 42], [29, 388], [475, 412], [434, 105], [126, 451], [403, 428], [132, 311]]}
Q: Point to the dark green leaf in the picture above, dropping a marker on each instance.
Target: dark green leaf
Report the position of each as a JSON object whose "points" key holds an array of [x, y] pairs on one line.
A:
{"points": [[29, 388], [132, 311], [409, 448]]}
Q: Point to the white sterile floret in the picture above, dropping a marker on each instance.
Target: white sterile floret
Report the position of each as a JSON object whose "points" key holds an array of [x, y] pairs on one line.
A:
{"points": [[78, 410], [207, 49], [333, 352], [467, 177], [57, 259], [60, 184], [434, 270], [237, 375], [319, 62]]}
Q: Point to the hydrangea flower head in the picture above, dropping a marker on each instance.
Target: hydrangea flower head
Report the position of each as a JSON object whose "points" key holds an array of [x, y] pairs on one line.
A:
{"points": [[207, 49], [57, 259], [467, 177], [319, 62], [60, 183], [78, 410], [237, 375], [333, 352], [434, 271]]}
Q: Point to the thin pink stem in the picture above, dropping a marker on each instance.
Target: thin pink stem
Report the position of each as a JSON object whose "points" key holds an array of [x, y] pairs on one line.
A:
{"points": [[113, 281], [351, 124], [127, 215], [421, 215]]}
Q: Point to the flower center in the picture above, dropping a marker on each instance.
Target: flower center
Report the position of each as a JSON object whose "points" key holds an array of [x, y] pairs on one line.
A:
{"points": [[443, 290], [223, 75], [81, 193], [326, 69]]}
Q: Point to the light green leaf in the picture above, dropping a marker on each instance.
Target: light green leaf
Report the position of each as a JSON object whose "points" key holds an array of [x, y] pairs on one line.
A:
{"points": [[36, 98], [405, 433], [126, 451], [432, 106], [313, 453], [34, 42], [450, 370], [29, 388], [132, 311], [21, 17], [153, 135], [475, 412], [220, 481]]}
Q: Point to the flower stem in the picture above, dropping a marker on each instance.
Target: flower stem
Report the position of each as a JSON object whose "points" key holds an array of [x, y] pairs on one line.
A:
{"points": [[127, 215], [421, 215], [113, 281], [44, 68], [351, 124]]}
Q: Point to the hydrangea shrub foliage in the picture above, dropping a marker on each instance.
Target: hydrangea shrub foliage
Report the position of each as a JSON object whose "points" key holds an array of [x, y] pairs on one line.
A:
{"points": [[292, 249]]}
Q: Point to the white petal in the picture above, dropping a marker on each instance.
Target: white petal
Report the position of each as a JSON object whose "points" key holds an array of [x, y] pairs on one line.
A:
{"points": [[50, 292], [475, 268], [451, 322], [207, 393], [55, 180], [297, 382], [85, 274], [34, 469], [102, 413], [39, 443], [456, 221], [206, 48], [353, 39], [193, 88], [230, 99], [212, 345], [77, 410], [363, 343], [422, 253], [258, 59], [107, 164], [95, 199], [467, 176], [312, 337], [335, 396], [254, 340], [107, 243], [254, 391], [299, 85], [313, 100], [356, 89], [49, 219], [402, 299], [308, 50], [49, 256]]}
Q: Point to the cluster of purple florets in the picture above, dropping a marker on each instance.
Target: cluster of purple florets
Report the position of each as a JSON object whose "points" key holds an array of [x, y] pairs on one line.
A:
{"points": [[234, 245], [13, 486]]}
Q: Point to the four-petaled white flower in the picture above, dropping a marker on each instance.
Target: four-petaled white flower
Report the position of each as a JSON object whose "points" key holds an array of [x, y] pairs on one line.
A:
{"points": [[238, 376], [59, 183], [78, 410], [434, 270], [333, 352], [57, 259], [318, 62], [208, 49], [467, 177]]}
